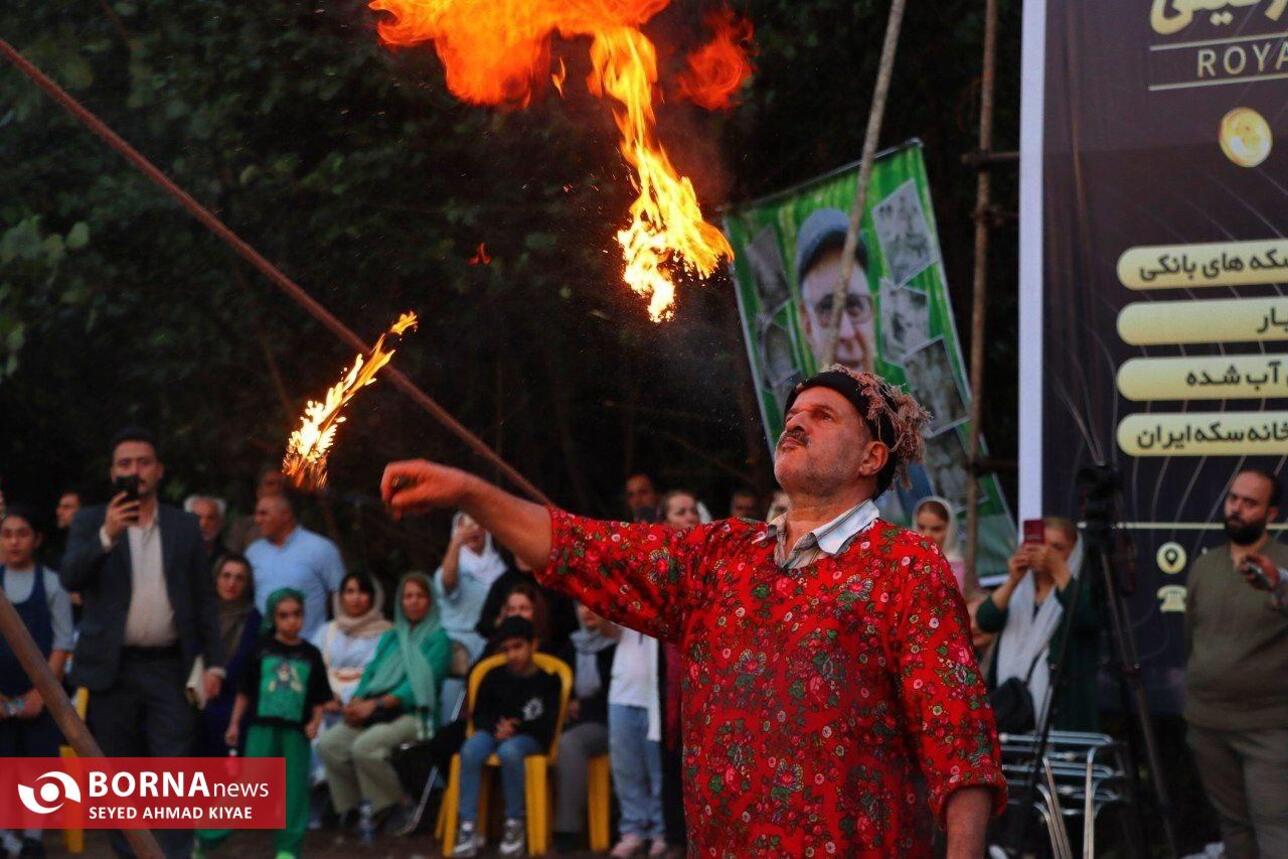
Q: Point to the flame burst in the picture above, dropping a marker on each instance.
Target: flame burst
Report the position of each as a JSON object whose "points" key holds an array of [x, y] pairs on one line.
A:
{"points": [[497, 52], [308, 446], [718, 68]]}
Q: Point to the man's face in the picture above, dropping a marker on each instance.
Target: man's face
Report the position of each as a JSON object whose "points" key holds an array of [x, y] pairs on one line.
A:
{"points": [[138, 457], [208, 518], [1247, 509], [66, 509], [273, 517], [271, 483], [825, 446], [855, 344], [640, 494], [518, 654], [743, 506], [18, 542]]}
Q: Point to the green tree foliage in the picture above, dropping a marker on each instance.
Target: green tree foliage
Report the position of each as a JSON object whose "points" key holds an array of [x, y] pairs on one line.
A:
{"points": [[353, 169]]}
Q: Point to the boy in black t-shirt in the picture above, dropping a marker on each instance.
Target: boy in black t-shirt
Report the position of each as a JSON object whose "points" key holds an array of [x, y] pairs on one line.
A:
{"points": [[284, 689], [514, 716]]}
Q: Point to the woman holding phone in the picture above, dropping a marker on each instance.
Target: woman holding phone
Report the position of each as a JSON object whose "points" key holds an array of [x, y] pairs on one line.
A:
{"points": [[1032, 610]]}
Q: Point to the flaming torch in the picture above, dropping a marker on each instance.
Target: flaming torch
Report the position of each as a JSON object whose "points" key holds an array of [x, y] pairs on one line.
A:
{"points": [[495, 53], [309, 446]]}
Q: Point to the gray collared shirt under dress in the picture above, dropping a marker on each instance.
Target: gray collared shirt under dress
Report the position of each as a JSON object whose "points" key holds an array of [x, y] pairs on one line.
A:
{"points": [[831, 538]]}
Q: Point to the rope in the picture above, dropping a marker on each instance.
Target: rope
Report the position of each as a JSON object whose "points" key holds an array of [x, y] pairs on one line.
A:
{"points": [[270, 271]]}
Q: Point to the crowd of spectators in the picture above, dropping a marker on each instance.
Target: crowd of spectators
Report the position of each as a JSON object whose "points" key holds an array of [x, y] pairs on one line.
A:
{"points": [[151, 610]]}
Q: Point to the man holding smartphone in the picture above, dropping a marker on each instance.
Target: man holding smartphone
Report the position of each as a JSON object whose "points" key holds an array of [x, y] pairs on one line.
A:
{"points": [[1237, 673], [149, 613]]}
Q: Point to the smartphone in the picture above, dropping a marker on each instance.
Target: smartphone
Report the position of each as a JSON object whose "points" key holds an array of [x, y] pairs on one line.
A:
{"points": [[129, 484], [1249, 568], [1034, 532]]}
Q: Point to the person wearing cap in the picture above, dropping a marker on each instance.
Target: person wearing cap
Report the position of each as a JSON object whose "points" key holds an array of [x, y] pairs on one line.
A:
{"points": [[832, 703], [819, 245], [514, 716]]}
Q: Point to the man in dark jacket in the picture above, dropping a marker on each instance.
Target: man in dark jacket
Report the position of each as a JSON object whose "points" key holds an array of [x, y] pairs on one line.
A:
{"points": [[149, 614], [1236, 645]]}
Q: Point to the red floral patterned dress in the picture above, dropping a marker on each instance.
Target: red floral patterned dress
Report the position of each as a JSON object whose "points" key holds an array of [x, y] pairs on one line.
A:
{"points": [[819, 703]]}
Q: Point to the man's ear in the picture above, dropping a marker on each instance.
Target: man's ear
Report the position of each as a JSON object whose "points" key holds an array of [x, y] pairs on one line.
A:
{"points": [[875, 459], [1272, 513]]}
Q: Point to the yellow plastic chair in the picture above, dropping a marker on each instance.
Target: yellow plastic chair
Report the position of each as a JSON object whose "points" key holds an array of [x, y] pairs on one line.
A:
{"points": [[599, 796], [74, 839], [537, 767]]}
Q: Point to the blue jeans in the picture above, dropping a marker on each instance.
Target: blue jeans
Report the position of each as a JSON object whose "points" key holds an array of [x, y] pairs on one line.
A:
{"points": [[474, 754], [637, 771]]}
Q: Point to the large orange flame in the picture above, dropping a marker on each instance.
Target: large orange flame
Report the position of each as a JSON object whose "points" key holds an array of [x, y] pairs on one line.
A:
{"points": [[497, 51], [308, 447], [718, 68]]}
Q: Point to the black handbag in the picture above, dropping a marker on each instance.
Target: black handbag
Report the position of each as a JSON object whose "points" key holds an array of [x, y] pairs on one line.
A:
{"points": [[1013, 709], [381, 714]]}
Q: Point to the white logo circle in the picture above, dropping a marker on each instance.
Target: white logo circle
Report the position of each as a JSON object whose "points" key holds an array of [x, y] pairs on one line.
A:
{"points": [[1171, 558], [54, 787]]}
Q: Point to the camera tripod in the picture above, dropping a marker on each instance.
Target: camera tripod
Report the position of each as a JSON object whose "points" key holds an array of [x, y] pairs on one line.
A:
{"points": [[1099, 485]]}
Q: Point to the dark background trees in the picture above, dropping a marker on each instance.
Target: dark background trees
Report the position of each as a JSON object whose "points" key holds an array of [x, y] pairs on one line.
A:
{"points": [[355, 170]]}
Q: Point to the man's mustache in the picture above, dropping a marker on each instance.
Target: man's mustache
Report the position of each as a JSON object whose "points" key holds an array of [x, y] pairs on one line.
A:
{"points": [[796, 435]]}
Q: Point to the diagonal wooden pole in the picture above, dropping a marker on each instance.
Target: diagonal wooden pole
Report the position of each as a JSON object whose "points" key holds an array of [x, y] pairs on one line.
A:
{"points": [[885, 72], [270, 271], [142, 842]]}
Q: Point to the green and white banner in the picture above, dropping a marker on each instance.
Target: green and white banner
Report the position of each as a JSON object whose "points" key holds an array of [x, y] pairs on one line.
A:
{"points": [[897, 320]]}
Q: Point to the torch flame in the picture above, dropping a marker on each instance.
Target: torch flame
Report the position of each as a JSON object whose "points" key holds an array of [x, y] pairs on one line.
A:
{"points": [[309, 446], [497, 52]]}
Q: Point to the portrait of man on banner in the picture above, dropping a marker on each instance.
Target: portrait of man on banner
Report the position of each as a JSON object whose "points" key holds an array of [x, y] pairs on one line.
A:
{"points": [[896, 319], [819, 246]]}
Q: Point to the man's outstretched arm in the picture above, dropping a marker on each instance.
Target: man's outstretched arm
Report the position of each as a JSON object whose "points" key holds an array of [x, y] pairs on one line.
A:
{"points": [[641, 576], [417, 486]]}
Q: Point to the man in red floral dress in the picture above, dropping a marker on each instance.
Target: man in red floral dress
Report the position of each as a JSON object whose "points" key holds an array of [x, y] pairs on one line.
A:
{"points": [[832, 703]]}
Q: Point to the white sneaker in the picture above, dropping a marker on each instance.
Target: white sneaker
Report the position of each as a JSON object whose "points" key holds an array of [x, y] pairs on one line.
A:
{"points": [[630, 845], [657, 849], [513, 841], [468, 841]]}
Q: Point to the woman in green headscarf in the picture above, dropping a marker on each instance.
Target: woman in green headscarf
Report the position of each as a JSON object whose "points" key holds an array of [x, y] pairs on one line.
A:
{"points": [[396, 702]]}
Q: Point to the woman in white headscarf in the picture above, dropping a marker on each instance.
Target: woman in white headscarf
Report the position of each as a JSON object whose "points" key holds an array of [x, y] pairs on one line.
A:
{"points": [[1032, 610], [462, 583], [934, 518], [349, 641]]}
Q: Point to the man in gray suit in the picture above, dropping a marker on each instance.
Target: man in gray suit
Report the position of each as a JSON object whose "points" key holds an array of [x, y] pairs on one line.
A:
{"points": [[149, 612]]}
